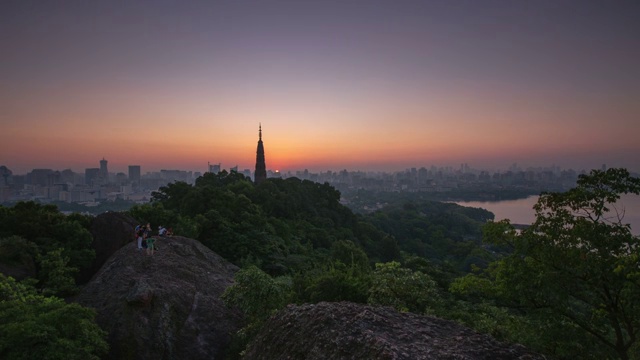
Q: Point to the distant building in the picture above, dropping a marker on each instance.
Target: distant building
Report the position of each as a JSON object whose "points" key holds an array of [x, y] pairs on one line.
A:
{"points": [[121, 178], [91, 176], [68, 176], [134, 174], [39, 177], [215, 168], [53, 178], [261, 168], [5, 175], [104, 172]]}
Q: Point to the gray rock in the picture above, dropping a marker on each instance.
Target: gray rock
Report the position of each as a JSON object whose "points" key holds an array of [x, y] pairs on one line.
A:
{"points": [[344, 330], [110, 231], [165, 306]]}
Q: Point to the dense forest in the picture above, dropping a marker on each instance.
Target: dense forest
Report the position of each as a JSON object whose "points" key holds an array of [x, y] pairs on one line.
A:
{"points": [[568, 286]]}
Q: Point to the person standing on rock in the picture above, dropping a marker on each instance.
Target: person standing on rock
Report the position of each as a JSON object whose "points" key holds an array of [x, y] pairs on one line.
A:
{"points": [[140, 236], [150, 245]]}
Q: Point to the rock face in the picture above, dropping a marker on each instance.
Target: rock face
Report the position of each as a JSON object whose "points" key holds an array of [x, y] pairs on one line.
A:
{"points": [[351, 331], [111, 231], [164, 306]]}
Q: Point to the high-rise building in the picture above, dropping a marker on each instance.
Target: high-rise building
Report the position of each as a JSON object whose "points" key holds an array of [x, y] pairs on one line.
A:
{"points": [[5, 175], [91, 176], [104, 172], [68, 176], [39, 177], [134, 174], [215, 168], [261, 168]]}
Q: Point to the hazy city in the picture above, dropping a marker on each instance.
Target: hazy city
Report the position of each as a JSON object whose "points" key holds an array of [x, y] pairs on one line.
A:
{"points": [[99, 184]]}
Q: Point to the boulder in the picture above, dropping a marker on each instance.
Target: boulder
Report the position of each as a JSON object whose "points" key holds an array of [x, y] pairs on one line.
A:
{"points": [[166, 305], [110, 231], [352, 331]]}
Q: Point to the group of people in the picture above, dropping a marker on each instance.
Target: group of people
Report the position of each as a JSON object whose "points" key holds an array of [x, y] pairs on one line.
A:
{"points": [[146, 240], [162, 231]]}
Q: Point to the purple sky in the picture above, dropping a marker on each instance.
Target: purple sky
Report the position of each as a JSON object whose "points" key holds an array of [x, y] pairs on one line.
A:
{"points": [[336, 84]]}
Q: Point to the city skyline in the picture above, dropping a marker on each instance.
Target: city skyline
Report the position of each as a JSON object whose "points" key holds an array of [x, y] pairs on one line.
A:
{"points": [[364, 86], [452, 168]]}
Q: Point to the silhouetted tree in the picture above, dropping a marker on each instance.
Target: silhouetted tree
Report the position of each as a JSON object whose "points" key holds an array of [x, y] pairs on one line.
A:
{"points": [[578, 263]]}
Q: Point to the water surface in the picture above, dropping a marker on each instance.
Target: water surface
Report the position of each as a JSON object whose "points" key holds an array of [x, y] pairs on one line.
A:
{"points": [[521, 211]]}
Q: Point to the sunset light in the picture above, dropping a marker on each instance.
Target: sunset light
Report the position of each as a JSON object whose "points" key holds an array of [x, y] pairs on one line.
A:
{"points": [[335, 84]]}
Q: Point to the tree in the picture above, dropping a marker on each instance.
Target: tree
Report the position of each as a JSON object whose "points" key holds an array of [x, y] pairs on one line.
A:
{"points": [[17, 251], [258, 296], [578, 263], [44, 229], [403, 289], [334, 282], [154, 213], [33, 326], [348, 253], [55, 275]]}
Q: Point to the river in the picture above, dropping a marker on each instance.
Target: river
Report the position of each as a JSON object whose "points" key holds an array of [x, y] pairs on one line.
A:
{"points": [[521, 211]]}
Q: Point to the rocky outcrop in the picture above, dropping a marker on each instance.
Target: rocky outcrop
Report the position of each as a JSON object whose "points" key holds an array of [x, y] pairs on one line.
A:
{"points": [[165, 306], [351, 331], [110, 231]]}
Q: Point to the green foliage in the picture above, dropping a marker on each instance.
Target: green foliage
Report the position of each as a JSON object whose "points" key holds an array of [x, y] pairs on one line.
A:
{"points": [[11, 290], [403, 289], [29, 220], [272, 225], [348, 253], [185, 226], [83, 220], [577, 267], [154, 213], [33, 232], [55, 276], [37, 327], [76, 242], [258, 296], [441, 274], [171, 195], [568, 286], [440, 232], [334, 282], [15, 250]]}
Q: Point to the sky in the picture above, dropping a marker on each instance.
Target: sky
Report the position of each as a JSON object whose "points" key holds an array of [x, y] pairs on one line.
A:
{"points": [[357, 85]]}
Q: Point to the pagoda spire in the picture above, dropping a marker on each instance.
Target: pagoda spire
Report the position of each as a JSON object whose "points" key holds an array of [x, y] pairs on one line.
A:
{"points": [[260, 174]]}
